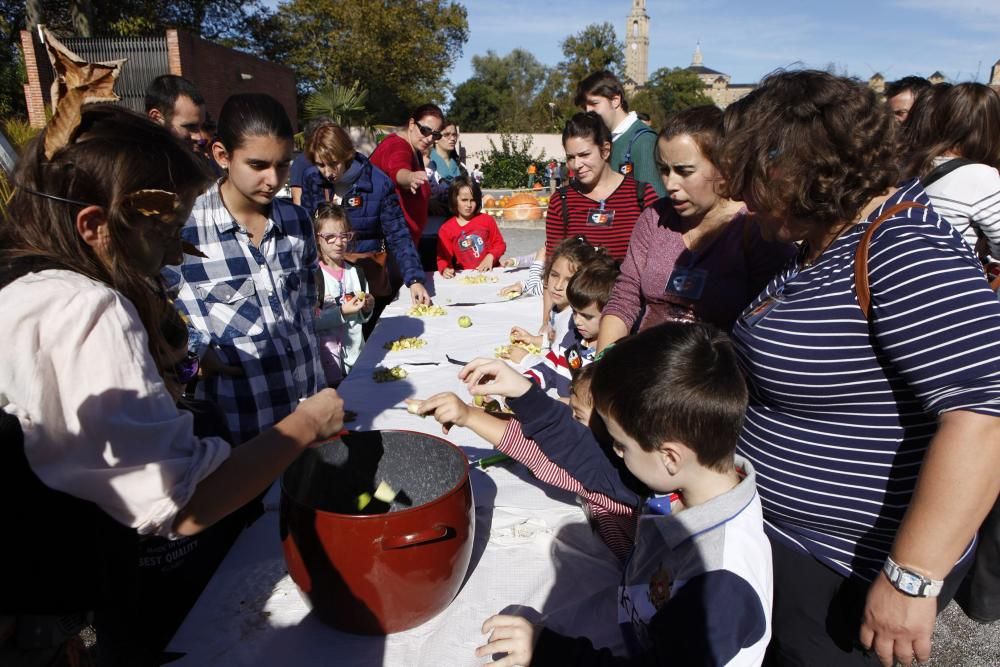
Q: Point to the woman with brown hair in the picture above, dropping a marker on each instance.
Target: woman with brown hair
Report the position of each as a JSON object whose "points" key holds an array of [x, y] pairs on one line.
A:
{"points": [[954, 149], [694, 255], [95, 449], [372, 205], [875, 444], [400, 156]]}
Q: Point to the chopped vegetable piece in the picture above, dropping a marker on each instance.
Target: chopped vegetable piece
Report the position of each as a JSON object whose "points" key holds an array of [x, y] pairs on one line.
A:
{"points": [[363, 500], [385, 493]]}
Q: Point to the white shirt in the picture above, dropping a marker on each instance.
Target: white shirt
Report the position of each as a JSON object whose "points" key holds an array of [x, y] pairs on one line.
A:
{"points": [[97, 419], [969, 198], [623, 126]]}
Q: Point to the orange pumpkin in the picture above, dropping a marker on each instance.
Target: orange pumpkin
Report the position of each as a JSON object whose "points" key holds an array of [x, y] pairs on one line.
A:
{"points": [[523, 206]]}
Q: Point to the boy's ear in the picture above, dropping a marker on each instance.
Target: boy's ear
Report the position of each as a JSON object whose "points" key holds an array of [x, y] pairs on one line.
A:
{"points": [[672, 456]]}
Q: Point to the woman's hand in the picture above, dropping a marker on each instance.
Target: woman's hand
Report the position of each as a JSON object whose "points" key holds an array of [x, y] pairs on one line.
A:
{"points": [[484, 377], [895, 626], [447, 408], [369, 303], [448, 273], [486, 264], [326, 411], [351, 305], [417, 179], [512, 635], [418, 294], [519, 335]]}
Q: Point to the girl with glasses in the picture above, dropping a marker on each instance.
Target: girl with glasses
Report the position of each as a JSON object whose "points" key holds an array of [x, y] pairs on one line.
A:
{"points": [[345, 302]]}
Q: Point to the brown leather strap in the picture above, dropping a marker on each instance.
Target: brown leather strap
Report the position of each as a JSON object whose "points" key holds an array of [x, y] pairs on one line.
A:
{"points": [[861, 255]]}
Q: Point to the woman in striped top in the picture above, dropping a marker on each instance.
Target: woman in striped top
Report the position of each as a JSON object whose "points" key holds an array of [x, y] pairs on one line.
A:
{"points": [[599, 204], [962, 123], [876, 440]]}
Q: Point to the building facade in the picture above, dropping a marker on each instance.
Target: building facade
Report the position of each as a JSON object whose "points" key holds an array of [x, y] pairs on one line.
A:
{"points": [[637, 46], [718, 86]]}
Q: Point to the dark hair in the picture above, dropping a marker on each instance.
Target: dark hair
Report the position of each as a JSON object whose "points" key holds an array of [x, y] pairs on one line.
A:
{"points": [[603, 84], [915, 84], [330, 211], [587, 125], [577, 251], [675, 382], [808, 145], [252, 115], [702, 123], [425, 110], [592, 283], [112, 153], [583, 376], [163, 91], [964, 118], [455, 189]]}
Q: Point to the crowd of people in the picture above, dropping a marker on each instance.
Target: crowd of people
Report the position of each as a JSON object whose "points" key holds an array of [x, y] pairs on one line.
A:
{"points": [[767, 353]]}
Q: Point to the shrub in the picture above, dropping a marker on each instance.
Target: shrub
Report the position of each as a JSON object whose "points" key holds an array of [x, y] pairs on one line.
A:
{"points": [[507, 166]]}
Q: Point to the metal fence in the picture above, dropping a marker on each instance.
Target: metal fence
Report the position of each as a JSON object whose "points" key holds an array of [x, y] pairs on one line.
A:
{"points": [[147, 59]]}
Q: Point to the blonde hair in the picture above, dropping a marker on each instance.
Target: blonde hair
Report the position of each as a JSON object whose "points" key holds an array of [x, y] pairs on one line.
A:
{"points": [[330, 143]]}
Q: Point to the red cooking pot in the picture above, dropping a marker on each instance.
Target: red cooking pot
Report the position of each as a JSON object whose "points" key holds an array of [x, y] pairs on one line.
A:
{"points": [[387, 566]]}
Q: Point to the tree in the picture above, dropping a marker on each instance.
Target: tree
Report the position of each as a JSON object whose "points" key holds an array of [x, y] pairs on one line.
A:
{"points": [[476, 106], [594, 48], [398, 50], [507, 166], [675, 89], [344, 105]]}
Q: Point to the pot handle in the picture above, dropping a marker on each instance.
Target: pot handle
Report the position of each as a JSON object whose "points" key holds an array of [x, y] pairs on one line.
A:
{"points": [[419, 537]]}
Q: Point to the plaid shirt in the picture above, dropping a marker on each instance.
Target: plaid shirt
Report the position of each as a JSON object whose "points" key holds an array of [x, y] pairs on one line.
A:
{"points": [[254, 306]]}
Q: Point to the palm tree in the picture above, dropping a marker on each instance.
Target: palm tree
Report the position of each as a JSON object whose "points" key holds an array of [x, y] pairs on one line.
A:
{"points": [[344, 105]]}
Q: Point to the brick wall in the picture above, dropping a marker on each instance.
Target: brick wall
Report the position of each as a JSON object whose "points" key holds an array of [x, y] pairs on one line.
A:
{"points": [[216, 70], [219, 72], [36, 91]]}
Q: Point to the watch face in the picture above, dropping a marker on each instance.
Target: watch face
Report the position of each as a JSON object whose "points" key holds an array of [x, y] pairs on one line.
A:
{"points": [[910, 583]]}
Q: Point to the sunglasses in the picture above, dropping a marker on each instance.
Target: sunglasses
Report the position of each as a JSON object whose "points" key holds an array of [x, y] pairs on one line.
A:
{"points": [[344, 237], [428, 132], [187, 369]]}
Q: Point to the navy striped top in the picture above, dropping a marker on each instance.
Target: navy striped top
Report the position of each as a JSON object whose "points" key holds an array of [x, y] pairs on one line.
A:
{"points": [[841, 412]]}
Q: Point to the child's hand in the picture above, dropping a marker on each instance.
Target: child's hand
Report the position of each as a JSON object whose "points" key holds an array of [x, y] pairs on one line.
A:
{"points": [[492, 376], [508, 262], [447, 408], [351, 305], [512, 635], [519, 335], [448, 273], [486, 264], [516, 354], [369, 303], [545, 333], [513, 290]]}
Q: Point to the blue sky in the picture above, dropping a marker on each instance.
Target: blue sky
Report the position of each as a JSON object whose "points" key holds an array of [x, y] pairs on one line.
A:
{"points": [[749, 38]]}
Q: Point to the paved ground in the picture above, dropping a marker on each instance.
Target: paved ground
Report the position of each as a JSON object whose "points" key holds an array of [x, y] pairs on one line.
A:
{"points": [[958, 641]]}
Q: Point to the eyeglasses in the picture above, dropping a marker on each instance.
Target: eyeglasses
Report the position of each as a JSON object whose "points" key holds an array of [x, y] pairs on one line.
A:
{"points": [[187, 369], [344, 237], [428, 132]]}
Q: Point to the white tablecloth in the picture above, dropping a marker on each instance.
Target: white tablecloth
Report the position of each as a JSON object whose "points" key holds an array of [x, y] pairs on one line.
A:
{"points": [[533, 548]]}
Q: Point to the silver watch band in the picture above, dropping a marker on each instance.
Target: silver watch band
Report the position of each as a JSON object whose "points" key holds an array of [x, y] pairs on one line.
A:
{"points": [[911, 583]]}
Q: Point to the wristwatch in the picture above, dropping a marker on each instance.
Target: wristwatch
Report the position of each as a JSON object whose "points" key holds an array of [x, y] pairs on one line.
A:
{"points": [[909, 582]]}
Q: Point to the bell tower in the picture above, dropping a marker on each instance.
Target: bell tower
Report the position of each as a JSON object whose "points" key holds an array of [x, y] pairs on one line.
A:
{"points": [[637, 46]]}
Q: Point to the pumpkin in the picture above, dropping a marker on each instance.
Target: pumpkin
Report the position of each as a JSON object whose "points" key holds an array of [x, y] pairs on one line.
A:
{"points": [[523, 206]]}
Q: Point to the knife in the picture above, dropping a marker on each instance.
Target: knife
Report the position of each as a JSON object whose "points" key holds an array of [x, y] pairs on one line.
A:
{"points": [[455, 361]]}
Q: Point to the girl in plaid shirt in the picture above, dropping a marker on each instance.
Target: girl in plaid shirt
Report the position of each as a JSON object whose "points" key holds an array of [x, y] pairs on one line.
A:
{"points": [[251, 297]]}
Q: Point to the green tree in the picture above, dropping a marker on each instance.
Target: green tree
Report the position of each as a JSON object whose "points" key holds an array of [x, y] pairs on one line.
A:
{"points": [[476, 106], [398, 50], [675, 89], [506, 166], [508, 84], [594, 48], [344, 105]]}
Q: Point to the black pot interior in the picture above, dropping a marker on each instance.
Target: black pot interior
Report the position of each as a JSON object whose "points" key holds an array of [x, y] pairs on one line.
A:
{"points": [[333, 476]]}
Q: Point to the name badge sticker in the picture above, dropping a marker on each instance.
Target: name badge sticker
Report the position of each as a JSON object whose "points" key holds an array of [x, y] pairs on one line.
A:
{"points": [[600, 217], [353, 201], [626, 169], [760, 311], [687, 283]]}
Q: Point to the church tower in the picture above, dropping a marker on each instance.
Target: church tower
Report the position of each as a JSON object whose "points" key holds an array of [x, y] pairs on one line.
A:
{"points": [[637, 46]]}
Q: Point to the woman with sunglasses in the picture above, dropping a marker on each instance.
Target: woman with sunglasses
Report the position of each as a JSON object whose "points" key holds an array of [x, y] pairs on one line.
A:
{"points": [[400, 155], [95, 450]]}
